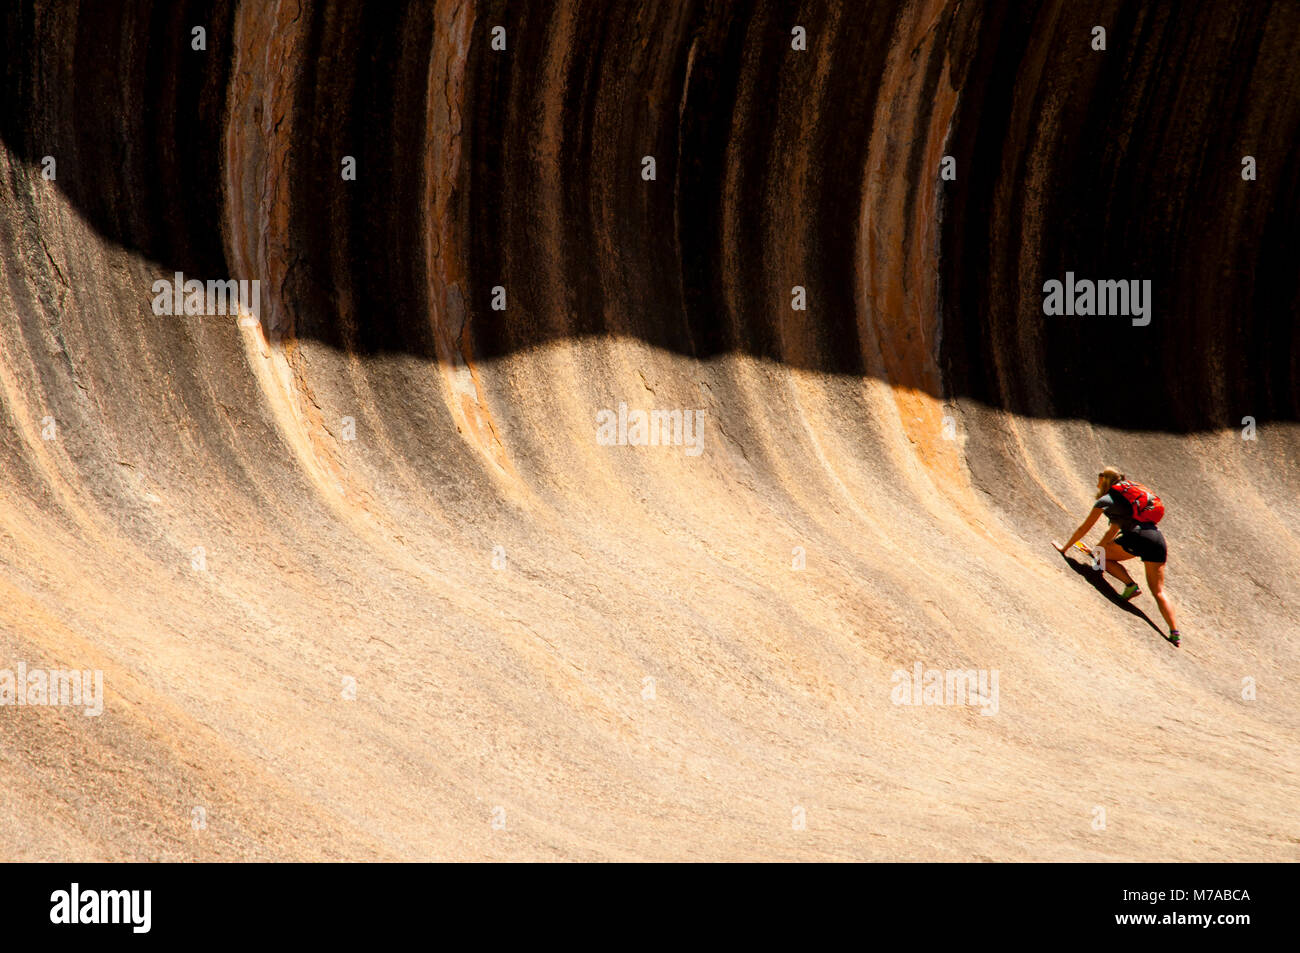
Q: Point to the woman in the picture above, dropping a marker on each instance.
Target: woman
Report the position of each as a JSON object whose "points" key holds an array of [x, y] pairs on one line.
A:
{"points": [[1143, 540]]}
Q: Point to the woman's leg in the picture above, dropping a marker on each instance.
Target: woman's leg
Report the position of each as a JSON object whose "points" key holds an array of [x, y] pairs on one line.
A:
{"points": [[1156, 583], [1113, 557]]}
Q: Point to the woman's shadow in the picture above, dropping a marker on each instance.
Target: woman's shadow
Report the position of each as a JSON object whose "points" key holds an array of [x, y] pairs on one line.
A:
{"points": [[1096, 579]]}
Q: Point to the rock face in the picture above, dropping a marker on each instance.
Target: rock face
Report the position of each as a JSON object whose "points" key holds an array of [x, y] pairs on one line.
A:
{"points": [[362, 576]]}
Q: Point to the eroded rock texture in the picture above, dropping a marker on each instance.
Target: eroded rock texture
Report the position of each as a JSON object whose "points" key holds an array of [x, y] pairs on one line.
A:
{"points": [[639, 652]]}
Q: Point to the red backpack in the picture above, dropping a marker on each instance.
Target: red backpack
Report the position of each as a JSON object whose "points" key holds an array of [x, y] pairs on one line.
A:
{"points": [[1147, 507]]}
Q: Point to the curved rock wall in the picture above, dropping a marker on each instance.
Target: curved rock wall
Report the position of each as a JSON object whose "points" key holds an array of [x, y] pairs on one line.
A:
{"points": [[361, 572]]}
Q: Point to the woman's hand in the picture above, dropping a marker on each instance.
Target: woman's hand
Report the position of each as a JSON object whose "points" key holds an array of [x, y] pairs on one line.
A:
{"points": [[1082, 531]]}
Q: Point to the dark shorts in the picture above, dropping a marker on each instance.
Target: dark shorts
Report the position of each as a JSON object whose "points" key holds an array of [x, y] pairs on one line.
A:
{"points": [[1147, 543]]}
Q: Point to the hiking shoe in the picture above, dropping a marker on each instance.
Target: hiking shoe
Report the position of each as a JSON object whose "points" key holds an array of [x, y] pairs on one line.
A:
{"points": [[1130, 591], [1175, 638]]}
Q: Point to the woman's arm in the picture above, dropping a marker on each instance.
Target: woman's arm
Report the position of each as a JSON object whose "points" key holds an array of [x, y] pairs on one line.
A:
{"points": [[1093, 515]]}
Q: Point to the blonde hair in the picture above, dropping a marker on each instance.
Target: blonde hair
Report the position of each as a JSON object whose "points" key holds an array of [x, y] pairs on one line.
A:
{"points": [[1112, 476]]}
